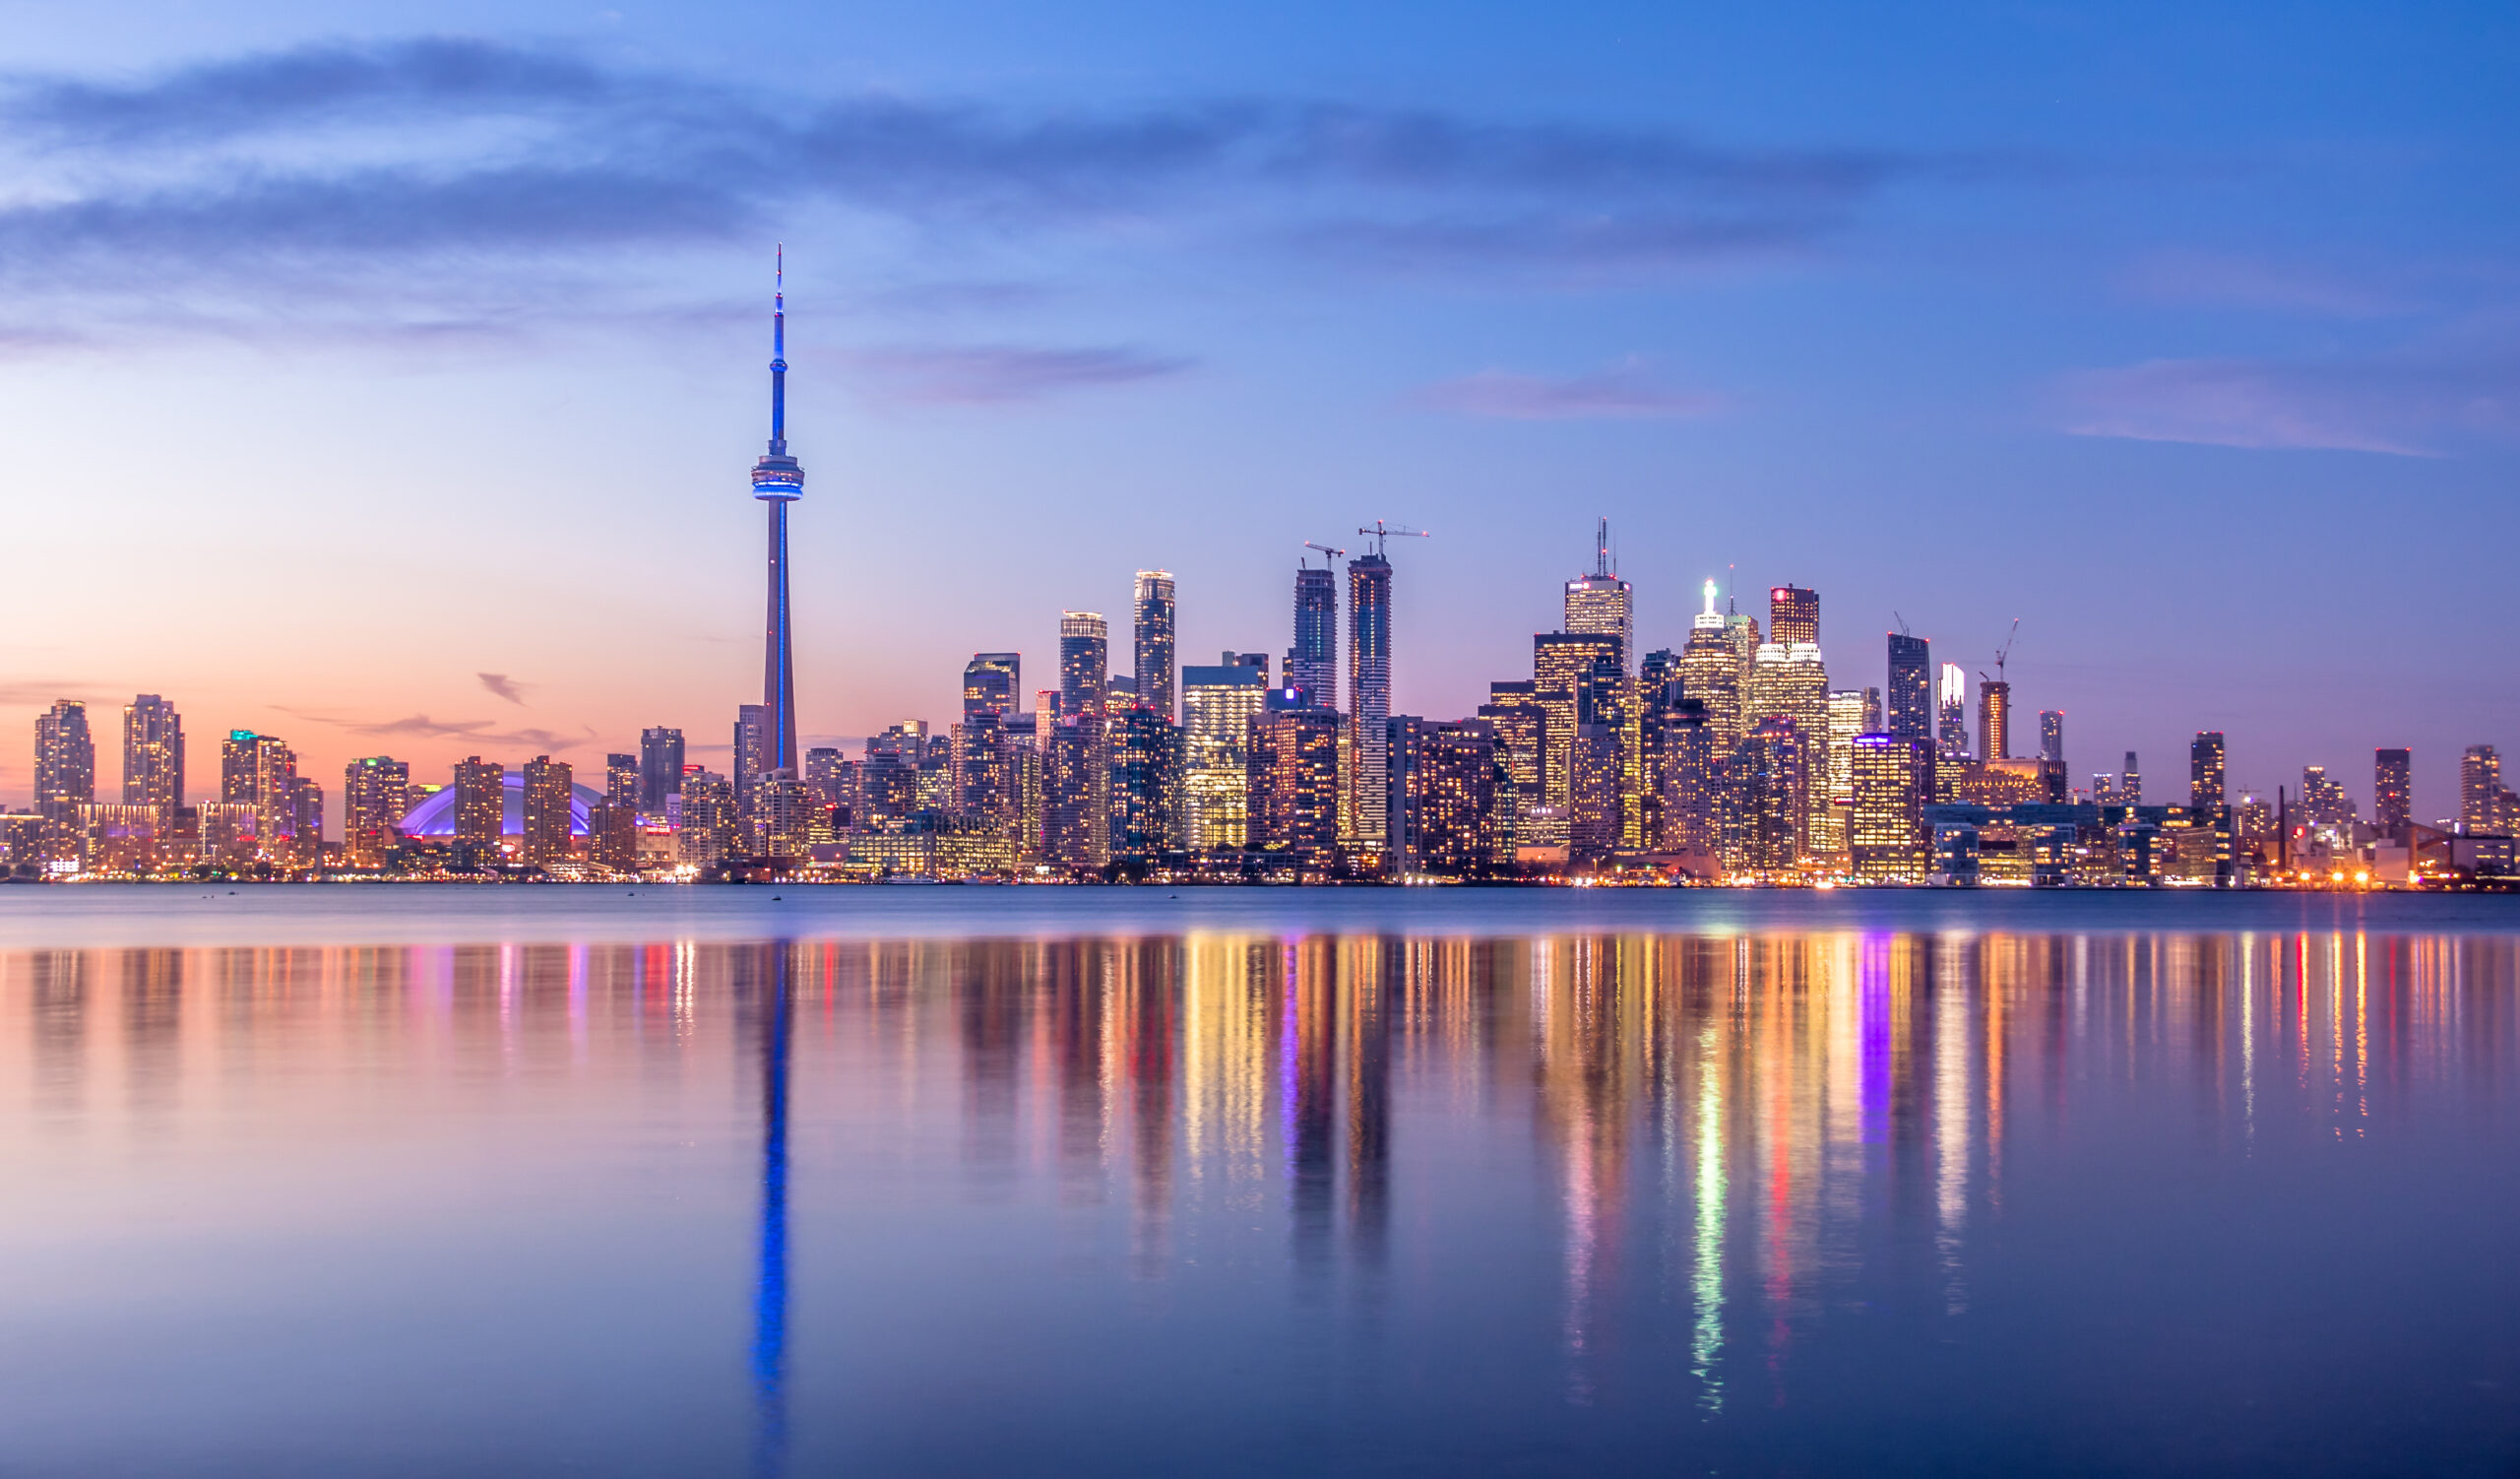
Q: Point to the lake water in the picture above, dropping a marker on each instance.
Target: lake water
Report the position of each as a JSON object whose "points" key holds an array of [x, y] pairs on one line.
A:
{"points": [[975, 1181]]}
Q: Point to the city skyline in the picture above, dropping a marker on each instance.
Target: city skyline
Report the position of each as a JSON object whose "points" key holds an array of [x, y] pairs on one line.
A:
{"points": [[1950, 343]]}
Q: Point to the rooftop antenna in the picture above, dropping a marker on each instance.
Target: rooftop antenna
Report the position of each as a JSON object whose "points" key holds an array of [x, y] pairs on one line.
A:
{"points": [[1381, 532], [1601, 548]]}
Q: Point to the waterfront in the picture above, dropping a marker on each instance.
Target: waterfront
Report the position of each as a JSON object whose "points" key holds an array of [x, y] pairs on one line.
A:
{"points": [[963, 1179]]}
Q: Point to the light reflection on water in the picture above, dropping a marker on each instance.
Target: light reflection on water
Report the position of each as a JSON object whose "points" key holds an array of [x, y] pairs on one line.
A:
{"points": [[1819, 1200]]}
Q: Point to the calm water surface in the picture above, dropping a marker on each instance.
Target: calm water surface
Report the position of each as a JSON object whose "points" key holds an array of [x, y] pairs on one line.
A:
{"points": [[945, 1181]]}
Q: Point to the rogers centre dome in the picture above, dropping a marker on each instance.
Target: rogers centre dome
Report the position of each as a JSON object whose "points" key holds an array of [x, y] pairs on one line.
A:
{"points": [[435, 816]]}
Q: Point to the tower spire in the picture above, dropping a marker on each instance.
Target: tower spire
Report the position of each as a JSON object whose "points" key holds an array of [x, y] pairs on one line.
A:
{"points": [[778, 480], [778, 352]]}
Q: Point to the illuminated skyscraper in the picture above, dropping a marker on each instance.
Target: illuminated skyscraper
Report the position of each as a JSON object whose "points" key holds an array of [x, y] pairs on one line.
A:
{"points": [[1791, 682], [2131, 783], [1601, 605], [376, 792], [2484, 805], [1085, 662], [1688, 776], [1887, 839], [1444, 778], [1561, 665], [153, 753], [778, 480], [261, 771], [1852, 712], [1220, 705], [480, 810], [1312, 663], [2205, 792], [1295, 783], [2392, 778], [986, 761], [621, 781], [710, 825], [1711, 671], [549, 785], [65, 760], [1911, 690], [660, 769], [1369, 694], [1793, 615], [754, 751], [1995, 719], [1951, 701], [2052, 735], [1767, 807], [1153, 613]]}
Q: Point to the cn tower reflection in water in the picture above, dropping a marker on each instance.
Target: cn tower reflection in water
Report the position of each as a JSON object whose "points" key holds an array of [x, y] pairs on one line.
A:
{"points": [[1233, 1201]]}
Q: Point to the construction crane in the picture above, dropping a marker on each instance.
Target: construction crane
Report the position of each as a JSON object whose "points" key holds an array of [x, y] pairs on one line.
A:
{"points": [[1381, 532], [1327, 554], [2003, 654]]}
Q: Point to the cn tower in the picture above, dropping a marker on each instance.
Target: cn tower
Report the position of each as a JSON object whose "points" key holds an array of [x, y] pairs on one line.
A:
{"points": [[778, 480]]}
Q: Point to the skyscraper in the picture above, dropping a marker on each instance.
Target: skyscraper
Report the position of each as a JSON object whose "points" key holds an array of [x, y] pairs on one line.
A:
{"points": [[1911, 690], [1711, 671], [1951, 701], [376, 794], [621, 781], [1294, 805], [778, 480], [2131, 783], [1994, 720], [1076, 792], [261, 771], [1600, 604], [480, 810], [1791, 682], [2392, 785], [2205, 791], [1886, 835], [65, 760], [1145, 805], [755, 749], [1218, 707], [2052, 735], [549, 785], [1085, 662], [1562, 664], [1444, 811], [660, 769], [1312, 663], [1369, 693], [152, 752], [1793, 615], [2484, 805], [1153, 613]]}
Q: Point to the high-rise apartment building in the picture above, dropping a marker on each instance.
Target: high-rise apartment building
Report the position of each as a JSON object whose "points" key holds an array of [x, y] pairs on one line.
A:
{"points": [[549, 787], [621, 781], [152, 752], [261, 771], [1789, 681], [1153, 610], [65, 760], [1852, 712], [2205, 788], [2392, 788], [2131, 783], [1312, 663], [985, 762], [1601, 605], [1689, 779], [1294, 790], [480, 810], [304, 846], [1793, 615], [1085, 662], [753, 747], [710, 824], [827, 776], [1446, 813], [1911, 690], [2052, 735], [1146, 784], [1562, 664], [1220, 706], [1951, 704], [1994, 720], [1595, 773], [376, 794], [660, 769], [1767, 806], [1887, 840], [2485, 805], [1076, 795], [1370, 696]]}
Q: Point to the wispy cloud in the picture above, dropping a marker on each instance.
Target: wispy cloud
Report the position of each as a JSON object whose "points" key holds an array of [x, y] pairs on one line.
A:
{"points": [[1629, 390], [504, 686], [43, 693], [994, 374], [407, 180], [2216, 280], [470, 731], [2402, 405]]}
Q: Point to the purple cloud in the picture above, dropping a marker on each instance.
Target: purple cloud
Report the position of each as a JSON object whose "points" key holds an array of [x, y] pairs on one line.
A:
{"points": [[2399, 406], [1626, 390], [2214, 280], [997, 374], [504, 686]]}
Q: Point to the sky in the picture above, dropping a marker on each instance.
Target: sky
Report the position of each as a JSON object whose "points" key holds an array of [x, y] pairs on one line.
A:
{"points": [[387, 377]]}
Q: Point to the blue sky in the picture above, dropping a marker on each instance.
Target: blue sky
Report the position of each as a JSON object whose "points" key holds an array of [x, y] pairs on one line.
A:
{"points": [[348, 357]]}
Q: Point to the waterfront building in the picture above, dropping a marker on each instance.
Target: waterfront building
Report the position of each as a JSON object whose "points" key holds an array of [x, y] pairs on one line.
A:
{"points": [[65, 760], [612, 835], [1600, 604], [1220, 705], [152, 752], [1514, 711], [1594, 800], [2131, 783], [2205, 791], [660, 769], [1852, 712], [1768, 809], [783, 818], [2392, 784], [1085, 662], [2485, 805], [1368, 697], [1312, 662], [621, 781], [1146, 782], [1995, 719], [549, 787], [1152, 606], [1445, 782], [1791, 682], [1076, 795], [709, 822], [1296, 785], [1893, 781], [828, 775], [753, 746], [1688, 780], [261, 771], [1911, 687], [2052, 735], [376, 794], [480, 810], [1561, 665], [1793, 615]]}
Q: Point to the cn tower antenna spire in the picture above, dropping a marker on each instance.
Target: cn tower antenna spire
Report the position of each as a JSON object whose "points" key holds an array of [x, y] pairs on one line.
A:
{"points": [[778, 480]]}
